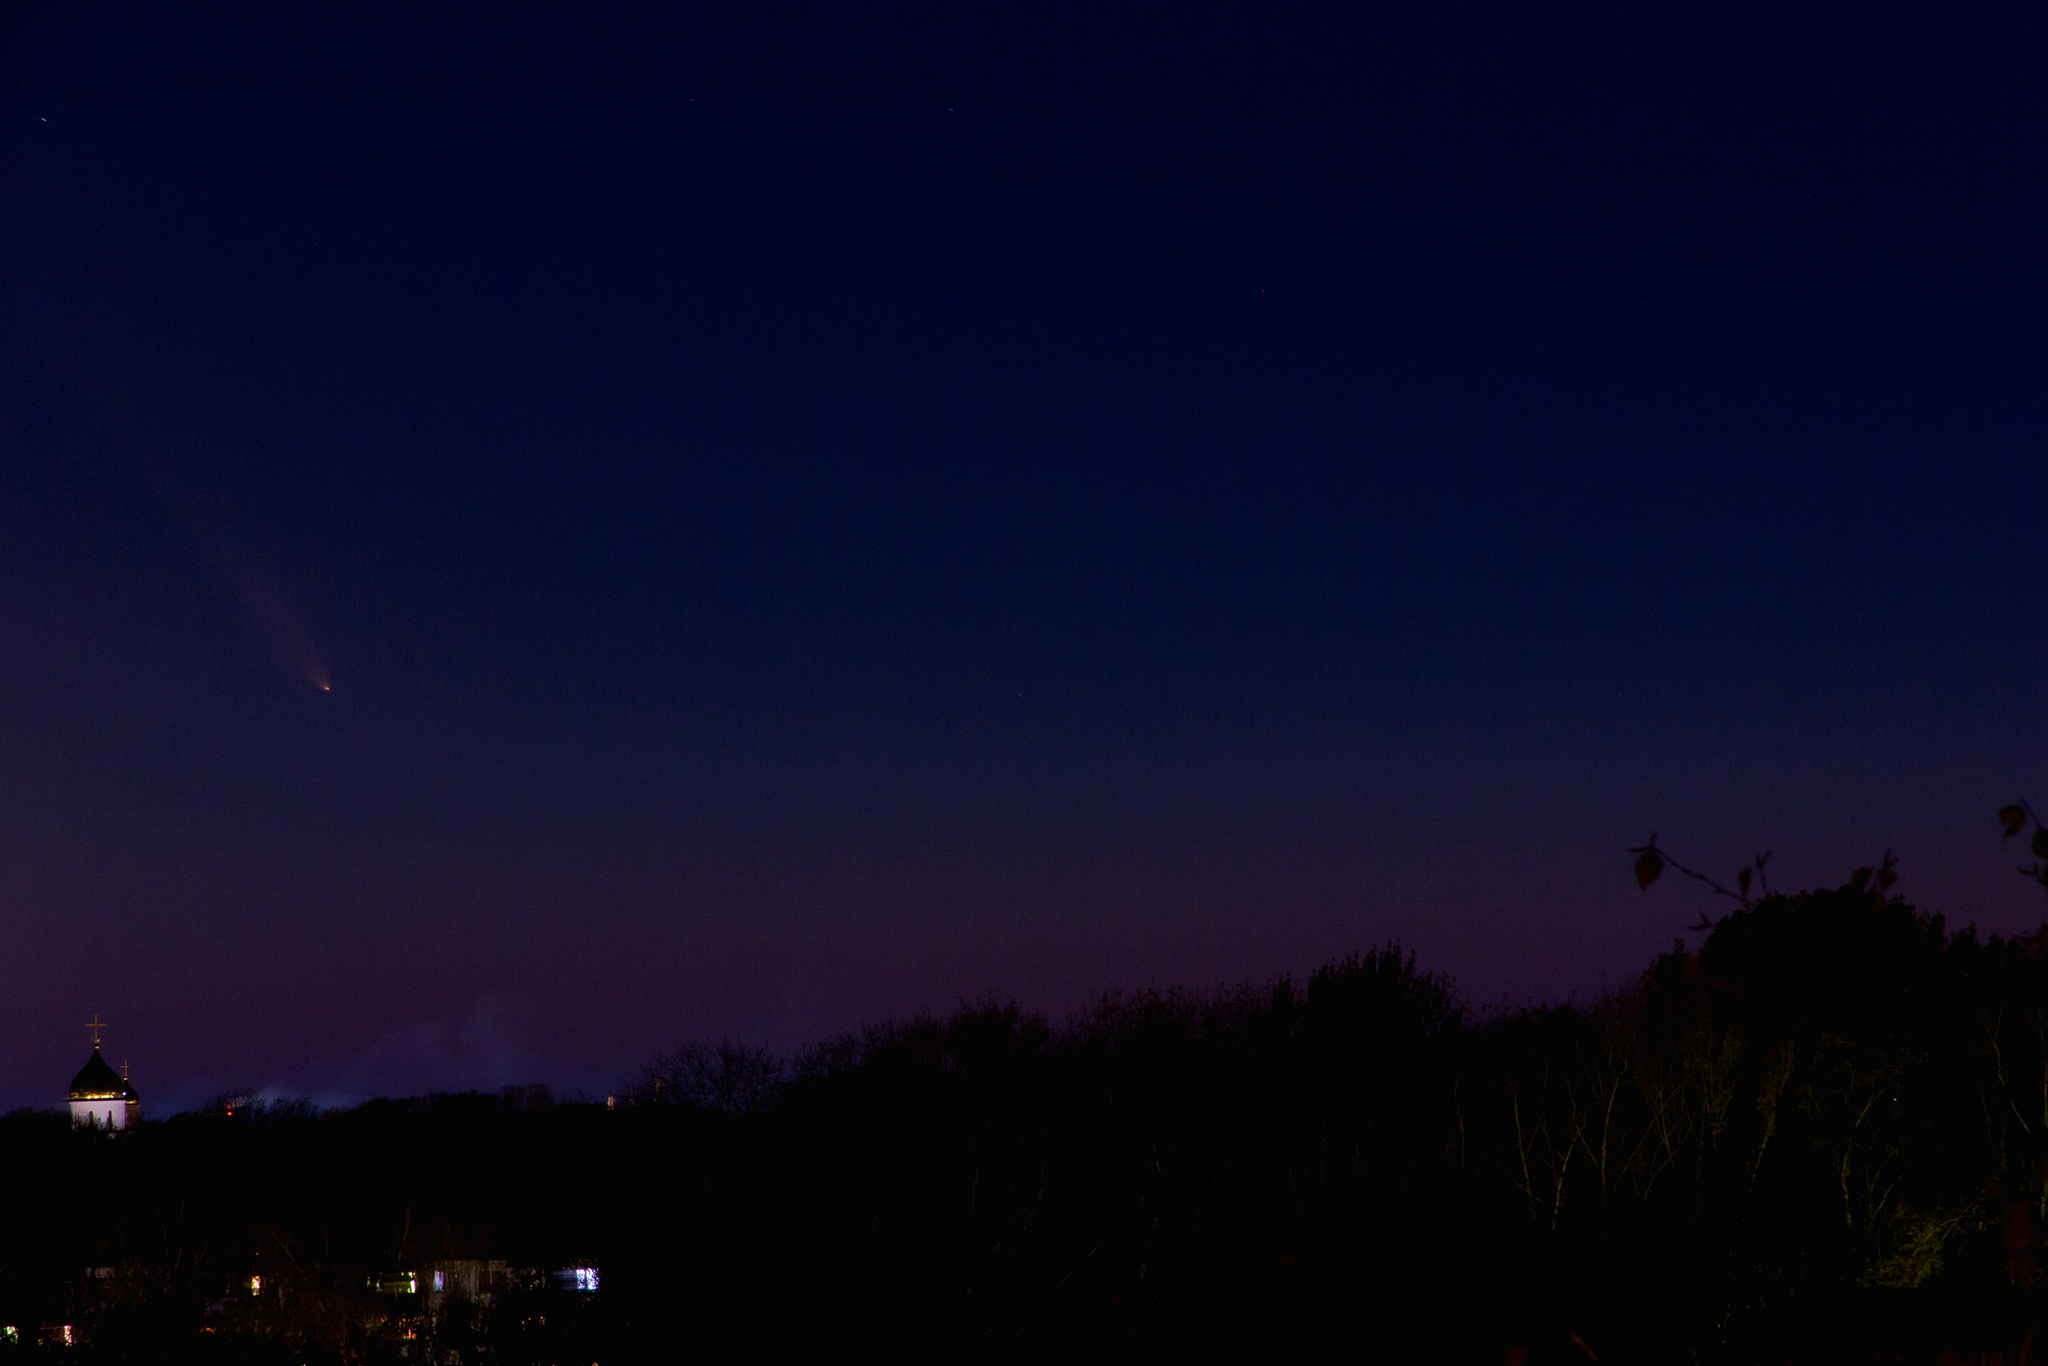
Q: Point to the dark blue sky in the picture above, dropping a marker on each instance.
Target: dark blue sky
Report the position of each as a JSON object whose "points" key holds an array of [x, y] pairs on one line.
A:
{"points": [[810, 514]]}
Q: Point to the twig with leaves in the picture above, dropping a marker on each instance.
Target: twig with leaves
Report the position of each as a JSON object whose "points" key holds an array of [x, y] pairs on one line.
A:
{"points": [[2014, 818], [1651, 862], [1876, 879]]}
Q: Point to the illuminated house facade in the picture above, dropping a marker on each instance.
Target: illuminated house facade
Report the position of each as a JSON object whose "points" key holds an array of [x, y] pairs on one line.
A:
{"points": [[101, 1098]]}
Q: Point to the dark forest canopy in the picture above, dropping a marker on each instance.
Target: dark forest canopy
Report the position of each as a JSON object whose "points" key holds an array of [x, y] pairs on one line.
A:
{"points": [[1822, 1136]]}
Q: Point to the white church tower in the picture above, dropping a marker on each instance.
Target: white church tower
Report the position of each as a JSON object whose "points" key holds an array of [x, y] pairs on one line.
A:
{"points": [[99, 1098]]}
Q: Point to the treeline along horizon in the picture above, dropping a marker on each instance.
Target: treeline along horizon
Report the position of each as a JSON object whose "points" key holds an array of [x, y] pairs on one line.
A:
{"points": [[1822, 1137]]}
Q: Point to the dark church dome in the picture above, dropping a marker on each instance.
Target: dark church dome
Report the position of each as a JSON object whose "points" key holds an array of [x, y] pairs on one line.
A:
{"points": [[97, 1081]]}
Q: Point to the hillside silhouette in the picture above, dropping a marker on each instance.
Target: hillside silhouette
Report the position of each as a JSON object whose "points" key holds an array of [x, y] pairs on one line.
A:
{"points": [[1822, 1137]]}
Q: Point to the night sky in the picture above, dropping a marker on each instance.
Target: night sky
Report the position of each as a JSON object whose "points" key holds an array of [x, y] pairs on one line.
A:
{"points": [[531, 535]]}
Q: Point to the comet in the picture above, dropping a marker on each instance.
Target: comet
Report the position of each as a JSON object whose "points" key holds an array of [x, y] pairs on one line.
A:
{"points": [[262, 593]]}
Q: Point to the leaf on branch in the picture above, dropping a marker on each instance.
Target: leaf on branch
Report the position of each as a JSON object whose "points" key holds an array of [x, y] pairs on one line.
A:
{"points": [[1860, 879], [1648, 868], [1885, 879], [2014, 818], [2040, 844], [1742, 881]]}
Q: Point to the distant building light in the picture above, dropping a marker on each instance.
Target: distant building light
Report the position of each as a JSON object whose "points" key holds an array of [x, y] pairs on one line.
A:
{"points": [[9, 1333], [439, 1285], [582, 1278], [255, 1285]]}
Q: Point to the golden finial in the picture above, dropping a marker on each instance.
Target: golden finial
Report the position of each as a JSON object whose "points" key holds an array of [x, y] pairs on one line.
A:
{"points": [[95, 1024]]}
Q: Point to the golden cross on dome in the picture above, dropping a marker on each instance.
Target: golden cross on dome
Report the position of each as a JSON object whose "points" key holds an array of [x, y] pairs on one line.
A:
{"points": [[95, 1024]]}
